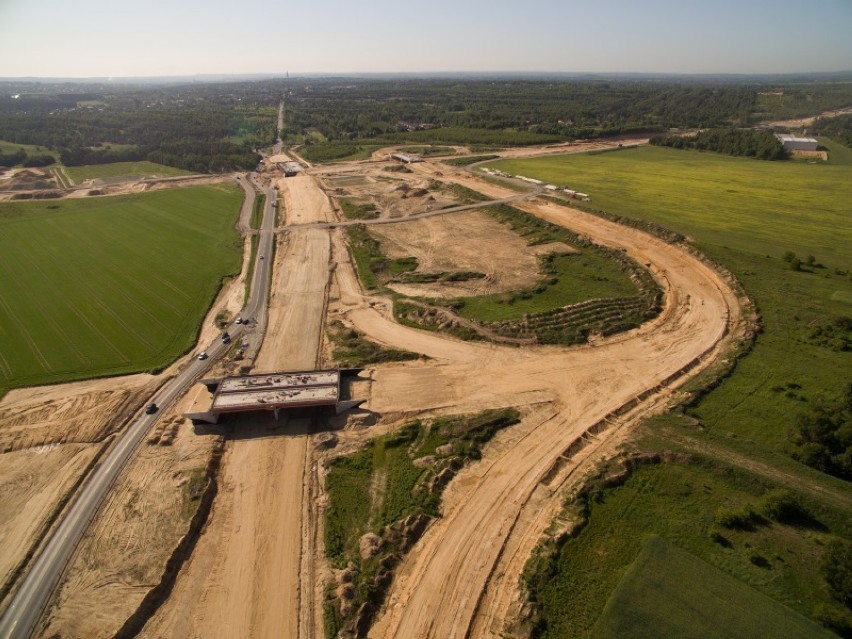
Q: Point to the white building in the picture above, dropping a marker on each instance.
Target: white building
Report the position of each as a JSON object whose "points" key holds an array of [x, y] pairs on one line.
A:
{"points": [[792, 143]]}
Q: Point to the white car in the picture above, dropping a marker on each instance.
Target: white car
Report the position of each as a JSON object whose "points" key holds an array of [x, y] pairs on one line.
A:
{"points": [[202, 355]]}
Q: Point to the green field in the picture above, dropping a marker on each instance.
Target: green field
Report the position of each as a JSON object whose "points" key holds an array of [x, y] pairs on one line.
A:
{"points": [[670, 593], [572, 279], [745, 214], [113, 285], [679, 502], [31, 149], [123, 169]]}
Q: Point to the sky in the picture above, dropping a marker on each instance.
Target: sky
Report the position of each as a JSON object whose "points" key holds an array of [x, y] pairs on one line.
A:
{"points": [[115, 38]]}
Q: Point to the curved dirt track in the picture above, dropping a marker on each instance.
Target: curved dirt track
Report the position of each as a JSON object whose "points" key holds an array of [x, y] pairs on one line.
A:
{"points": [[438, 586]]}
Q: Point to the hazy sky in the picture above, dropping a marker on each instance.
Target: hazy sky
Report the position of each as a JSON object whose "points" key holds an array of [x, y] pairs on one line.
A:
{"points": [[85, 38]]}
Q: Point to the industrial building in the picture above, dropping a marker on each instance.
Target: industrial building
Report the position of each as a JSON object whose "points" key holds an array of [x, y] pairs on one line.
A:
{"points": [[793, 143], [275, 392]]}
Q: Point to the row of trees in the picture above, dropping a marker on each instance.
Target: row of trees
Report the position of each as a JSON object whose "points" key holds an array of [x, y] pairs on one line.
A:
{"points": [[557, 109], [23, 158], [742, 142], [823, 436], [839, 128]]}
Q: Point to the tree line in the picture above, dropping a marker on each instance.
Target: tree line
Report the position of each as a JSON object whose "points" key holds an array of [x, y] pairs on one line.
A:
{"points": [[742, 142]]}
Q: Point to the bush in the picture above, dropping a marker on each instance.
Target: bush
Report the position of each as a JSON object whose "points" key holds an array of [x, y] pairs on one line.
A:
{"points": [[783, 506], [837, 570], [746, 518]]}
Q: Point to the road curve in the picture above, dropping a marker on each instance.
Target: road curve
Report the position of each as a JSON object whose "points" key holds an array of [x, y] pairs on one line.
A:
{"points": [[437, 590], [35, 589]]}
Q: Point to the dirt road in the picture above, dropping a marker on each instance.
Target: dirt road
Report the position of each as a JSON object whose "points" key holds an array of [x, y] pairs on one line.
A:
{"points": [[243, 579], [437, 591]]}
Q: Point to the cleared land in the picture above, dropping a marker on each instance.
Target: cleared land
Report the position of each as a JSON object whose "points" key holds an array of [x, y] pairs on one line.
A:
{"points": [[123, 282], [130, 170]]}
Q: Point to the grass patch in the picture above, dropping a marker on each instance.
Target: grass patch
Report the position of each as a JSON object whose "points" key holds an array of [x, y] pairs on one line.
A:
{"points": [[357, 210], [570, 279], [369, 258], [651, 601], [258, 209], [123, 169], [29, 149], [426, 151], [110, 286], [254, 242], [392, 488], [352, 349], [469, 159], [678, 501], [337, 152], [746, 215]]}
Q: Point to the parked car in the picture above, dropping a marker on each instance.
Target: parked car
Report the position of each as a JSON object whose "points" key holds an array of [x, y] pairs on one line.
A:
{"points": [[202, 355], [150, 409]]}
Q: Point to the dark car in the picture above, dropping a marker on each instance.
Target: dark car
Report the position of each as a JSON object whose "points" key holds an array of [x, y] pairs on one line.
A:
{"points": [[150, 409]]}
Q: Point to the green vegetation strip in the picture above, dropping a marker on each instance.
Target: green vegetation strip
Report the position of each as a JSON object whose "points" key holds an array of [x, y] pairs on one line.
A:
{"points": [[352, 349], [670, 593], [392, 488], [468, 160], [258, 209], [113, 285], [123, 169], [357, 211]]}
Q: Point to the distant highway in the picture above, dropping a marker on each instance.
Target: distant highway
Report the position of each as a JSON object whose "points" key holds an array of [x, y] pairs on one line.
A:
{"points": [[35, 589]]}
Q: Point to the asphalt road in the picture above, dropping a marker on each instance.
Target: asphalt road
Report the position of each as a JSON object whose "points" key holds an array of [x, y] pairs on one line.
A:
{"points": [[35, 589]]}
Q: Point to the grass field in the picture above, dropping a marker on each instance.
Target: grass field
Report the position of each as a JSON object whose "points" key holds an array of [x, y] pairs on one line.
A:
{"points": [[110, 285], [574, 278], [31, 149], [679, 501], [745, 214], [651, 602], [122, 169]]}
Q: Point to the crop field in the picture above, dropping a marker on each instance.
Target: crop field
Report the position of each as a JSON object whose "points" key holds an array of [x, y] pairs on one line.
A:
{"points": [[110, 285], [745, 214], [651, 601], [123, 169]]}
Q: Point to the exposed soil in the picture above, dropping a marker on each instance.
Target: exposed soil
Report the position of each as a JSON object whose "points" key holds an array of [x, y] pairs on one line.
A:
{"points": [[503, 256], [244, 578], [258, 568]]}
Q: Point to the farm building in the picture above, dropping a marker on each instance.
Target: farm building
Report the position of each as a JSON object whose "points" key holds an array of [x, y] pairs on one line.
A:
{"points": [[792, 143]]}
